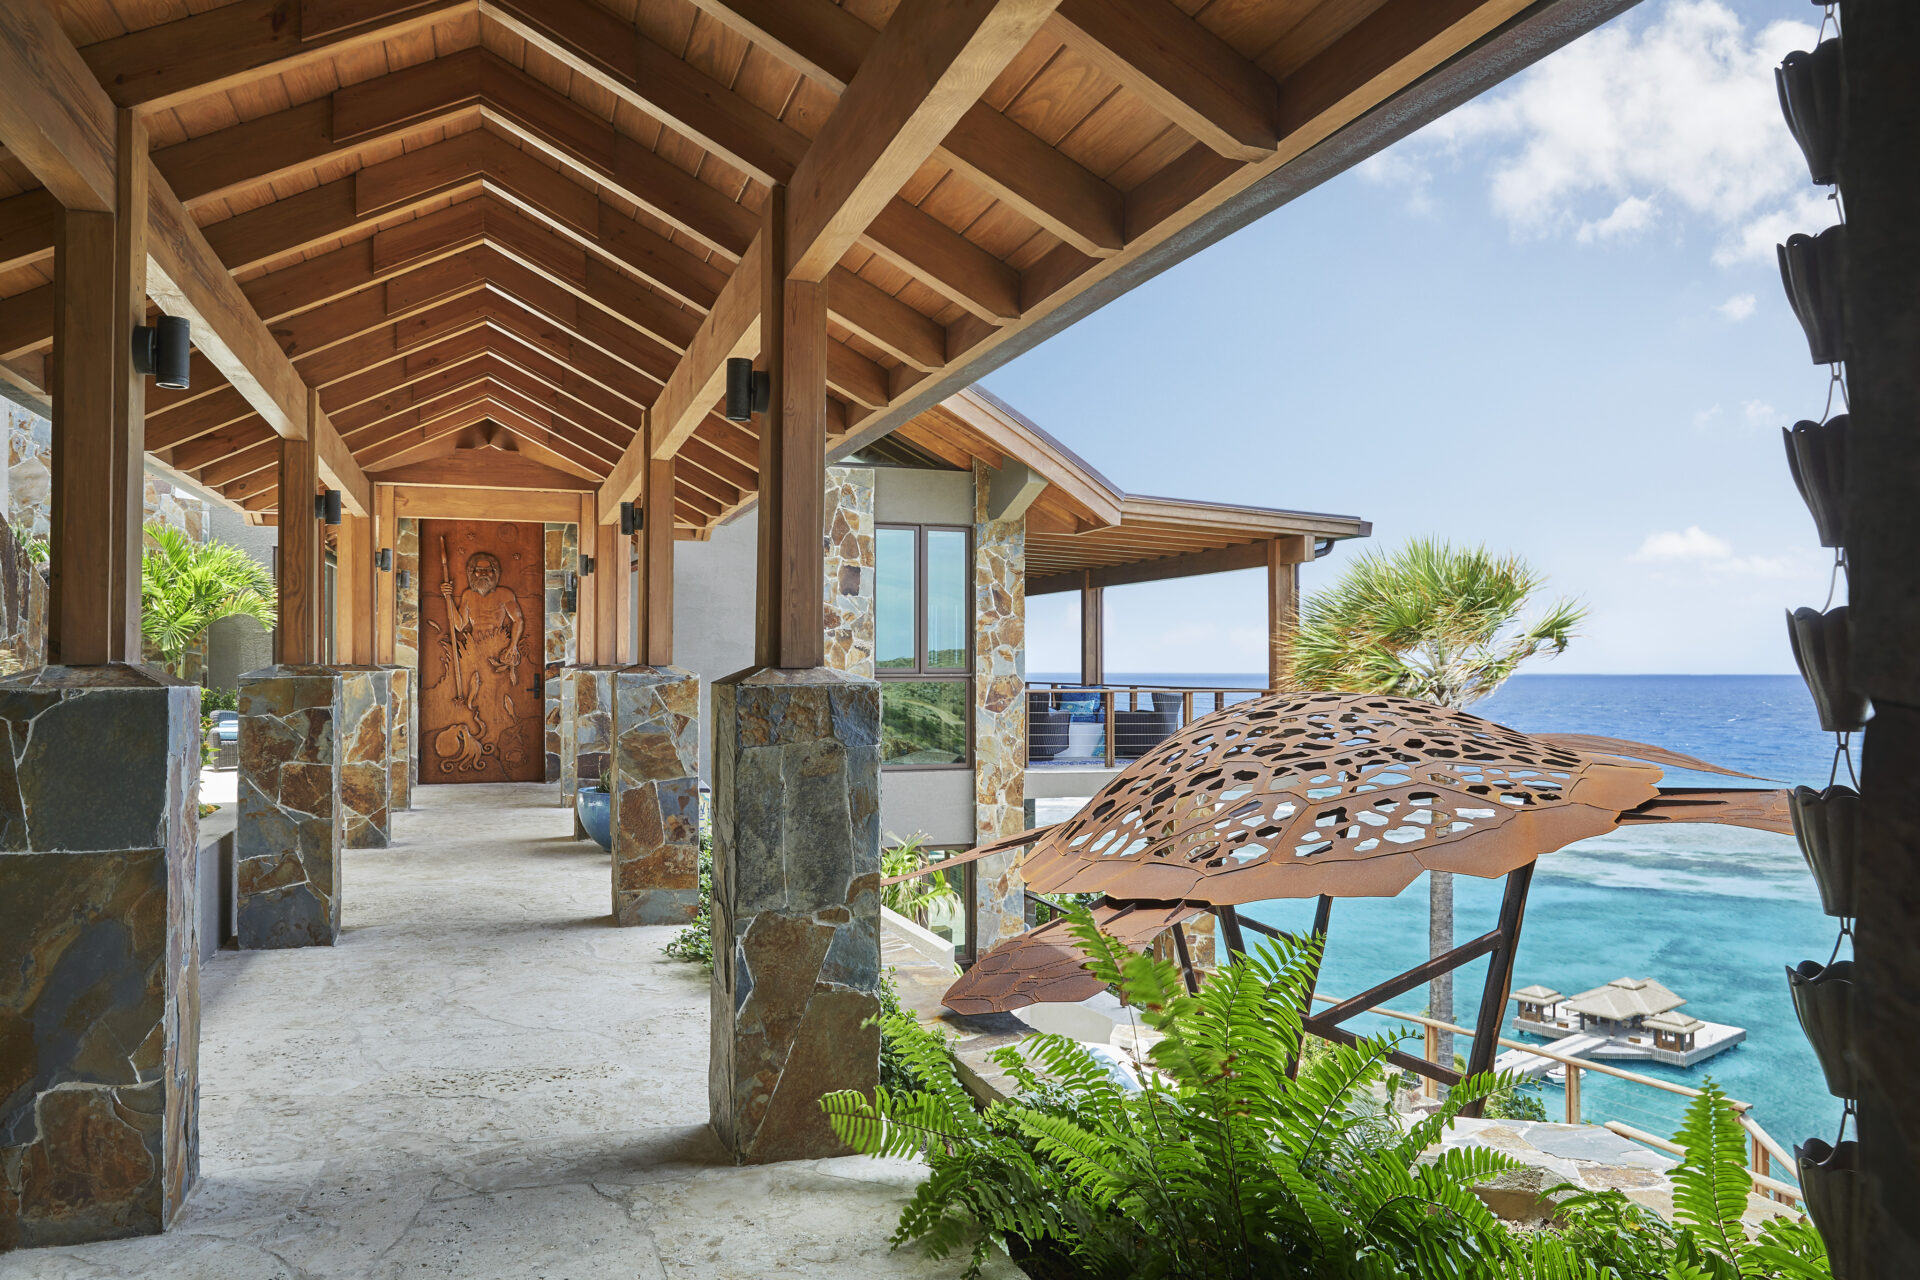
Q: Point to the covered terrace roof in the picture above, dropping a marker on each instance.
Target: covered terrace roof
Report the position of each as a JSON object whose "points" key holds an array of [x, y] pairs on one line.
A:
{"points": [[481, 228], [1085, 530]]}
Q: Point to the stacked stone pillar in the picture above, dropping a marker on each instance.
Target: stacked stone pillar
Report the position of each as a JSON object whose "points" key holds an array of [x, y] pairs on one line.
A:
{"points": [[655, 771], [366, 756], [99, 969], [796, 905], [291, 826], [404, 713]]}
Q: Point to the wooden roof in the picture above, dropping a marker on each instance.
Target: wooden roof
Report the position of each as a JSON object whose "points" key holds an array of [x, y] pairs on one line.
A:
{"points": [[479, 227], [1083, 524]]}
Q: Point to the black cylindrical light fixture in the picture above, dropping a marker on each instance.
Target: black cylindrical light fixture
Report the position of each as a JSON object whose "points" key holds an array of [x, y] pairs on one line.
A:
{"points": [[586, 566], [749, 390], [164, 351], [385, 559], [403, 579], [326, 506], [627, 522]]}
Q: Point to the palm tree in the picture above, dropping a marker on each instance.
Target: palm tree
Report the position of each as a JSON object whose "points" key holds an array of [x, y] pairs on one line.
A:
{"points": [[1437, 623], [187, 586]]}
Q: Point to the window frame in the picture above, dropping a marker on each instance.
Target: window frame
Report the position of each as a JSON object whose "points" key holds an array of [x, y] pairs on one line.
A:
{"points": [[920, 672]]}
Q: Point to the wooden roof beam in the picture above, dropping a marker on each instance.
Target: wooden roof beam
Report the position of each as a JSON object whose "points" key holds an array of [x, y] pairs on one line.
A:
{"points": [[61, 120], [1191, 76]]}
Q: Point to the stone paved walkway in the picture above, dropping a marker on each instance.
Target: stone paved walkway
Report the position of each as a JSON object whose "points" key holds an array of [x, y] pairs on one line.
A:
{"points": [[484, 1079]]}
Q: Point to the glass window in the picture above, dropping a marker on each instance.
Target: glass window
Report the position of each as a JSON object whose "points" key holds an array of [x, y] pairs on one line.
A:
{"points": [[947, 610], [895, 566], [924, 722]]}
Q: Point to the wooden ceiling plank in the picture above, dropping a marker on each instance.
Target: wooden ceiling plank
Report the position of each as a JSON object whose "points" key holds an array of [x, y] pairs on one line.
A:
{"points": [[27, 224], [493, 469], [1194, 78]]}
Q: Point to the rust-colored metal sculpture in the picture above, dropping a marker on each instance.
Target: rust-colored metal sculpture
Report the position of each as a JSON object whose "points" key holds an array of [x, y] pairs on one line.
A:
{"points": [[1335, 796]]}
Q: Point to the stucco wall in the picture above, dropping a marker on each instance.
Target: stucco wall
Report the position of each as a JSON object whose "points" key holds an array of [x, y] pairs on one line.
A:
{"points": [[905, 496], [713, 590]]}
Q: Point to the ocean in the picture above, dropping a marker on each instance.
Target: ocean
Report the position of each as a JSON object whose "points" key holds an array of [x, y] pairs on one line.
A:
{"points": [[1715, 913]]}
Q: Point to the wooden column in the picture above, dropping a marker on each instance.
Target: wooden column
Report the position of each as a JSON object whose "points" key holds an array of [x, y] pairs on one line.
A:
{"points": [[609, 568], [626, 620], [656, 567], [793, 458], [99, 420], [1283, 607], [1093, 635], [586, 616], [386, 535], [353, 626], [298, 637]]}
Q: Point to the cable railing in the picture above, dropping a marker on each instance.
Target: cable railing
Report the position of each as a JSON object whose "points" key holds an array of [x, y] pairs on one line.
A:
{"points": [[1104, 725]]}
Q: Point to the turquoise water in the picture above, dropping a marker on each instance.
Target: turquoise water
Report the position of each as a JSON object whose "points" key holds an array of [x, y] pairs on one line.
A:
{"points": [[1716, 913]]}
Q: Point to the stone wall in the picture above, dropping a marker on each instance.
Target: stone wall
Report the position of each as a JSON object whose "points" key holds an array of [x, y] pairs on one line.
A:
{"points": [[406, 600], [655, 806], [999, 712], [366, 771], [850, 583], [292, 824]]}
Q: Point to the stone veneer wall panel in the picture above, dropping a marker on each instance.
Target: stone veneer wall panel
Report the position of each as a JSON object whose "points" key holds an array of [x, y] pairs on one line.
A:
{"points": [[999, 713], [562, 559], [850, 582], [796, 906], [400, 705], [656, 796], [586, 699], [99, 953], [292, 823], [366, 767]]}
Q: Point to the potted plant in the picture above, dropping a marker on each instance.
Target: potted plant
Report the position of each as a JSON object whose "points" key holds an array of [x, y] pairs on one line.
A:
{"points": [[593, 803]]}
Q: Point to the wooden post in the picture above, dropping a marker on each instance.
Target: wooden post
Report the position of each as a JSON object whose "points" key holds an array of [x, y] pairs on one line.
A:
{"points": [[656, 567], [1429, 1087], [1283, 607], [298, 638], [586, 616], [626, 619], [1093, 635], [99, 420], [609, 567], [1573, 1094], [353, 591], [793, 457], [386, 536]]}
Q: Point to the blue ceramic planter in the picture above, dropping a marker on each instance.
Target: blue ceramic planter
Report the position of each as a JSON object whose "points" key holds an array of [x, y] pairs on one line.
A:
{"points": [[596, 815]]}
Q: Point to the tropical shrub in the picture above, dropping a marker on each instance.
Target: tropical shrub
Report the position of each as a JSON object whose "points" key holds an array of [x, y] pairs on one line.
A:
{"points": [[694, 943], [187, 586], [915, 899], [1602, 1235], [1218, 1166]]}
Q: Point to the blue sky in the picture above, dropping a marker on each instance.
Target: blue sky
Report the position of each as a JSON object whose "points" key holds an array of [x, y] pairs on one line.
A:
{"points": [[1551, 322]]}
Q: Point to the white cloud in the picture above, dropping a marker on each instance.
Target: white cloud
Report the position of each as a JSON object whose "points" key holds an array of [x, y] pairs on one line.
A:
{"points": [[1397, 167], [1738, 307], [1759, 412], [1696, 548], [1705, 417], [1677, 114], [1629, 216]]}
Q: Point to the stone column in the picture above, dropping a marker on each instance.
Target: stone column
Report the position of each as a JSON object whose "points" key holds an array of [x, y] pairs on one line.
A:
{"points": [[590, 724], [796, 905], [999, 715], [366, 756], [292, 824], [99, 968], [400, 739], [656, 796]]}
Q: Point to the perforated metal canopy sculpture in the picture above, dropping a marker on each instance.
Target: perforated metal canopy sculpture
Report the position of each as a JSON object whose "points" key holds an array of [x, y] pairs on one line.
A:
{"points": [[1334, 796]]}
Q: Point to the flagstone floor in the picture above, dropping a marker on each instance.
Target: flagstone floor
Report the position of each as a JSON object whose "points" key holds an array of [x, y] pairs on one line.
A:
{"points": [[484, 1079]]}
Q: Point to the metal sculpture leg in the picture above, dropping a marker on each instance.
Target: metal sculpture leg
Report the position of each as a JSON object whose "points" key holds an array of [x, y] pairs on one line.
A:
{"points": [[1493, 996]]}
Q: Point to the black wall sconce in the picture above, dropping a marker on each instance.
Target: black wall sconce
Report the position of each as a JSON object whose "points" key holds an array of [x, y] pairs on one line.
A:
{"points": [[385, 560], [632, 520], [163, 351], [326, 506], [586, 566], [749, 390], [403, 579], [570, 594]]}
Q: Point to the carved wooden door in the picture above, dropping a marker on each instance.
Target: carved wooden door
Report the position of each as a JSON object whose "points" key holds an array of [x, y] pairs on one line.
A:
{"points": [[482, 651]]}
